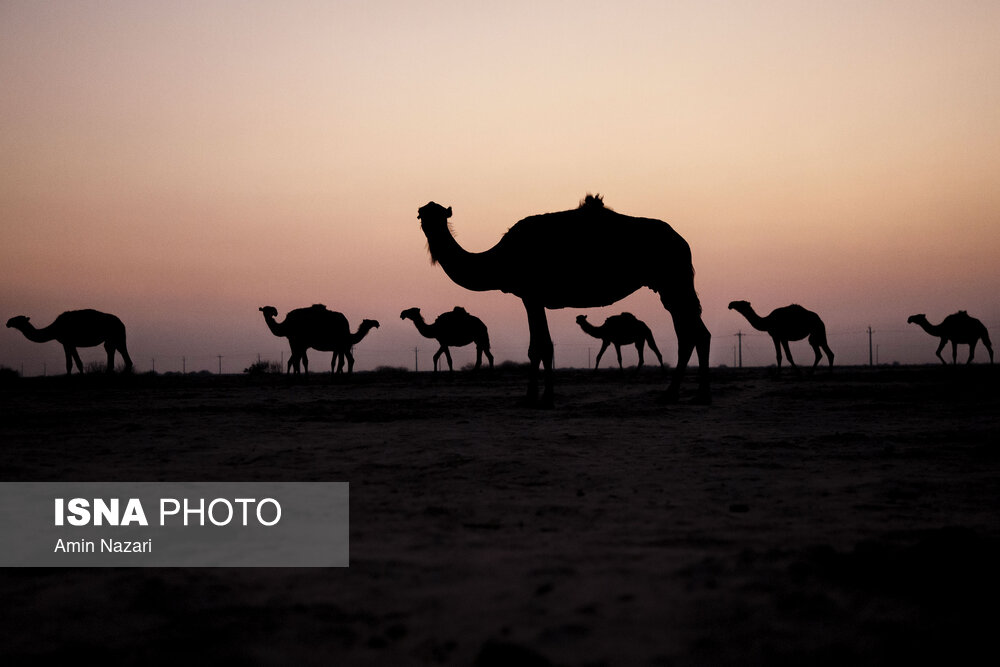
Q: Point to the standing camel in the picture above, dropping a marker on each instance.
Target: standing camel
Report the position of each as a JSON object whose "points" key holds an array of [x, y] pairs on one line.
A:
{"points": [[787, 324], [583, 258], [453, 329], [318, 328], [958, 328], [79, 328], [618, 330]]}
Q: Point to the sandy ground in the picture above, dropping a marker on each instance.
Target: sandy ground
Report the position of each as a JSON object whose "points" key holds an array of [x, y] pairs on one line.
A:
{"points": [[847, 518]]}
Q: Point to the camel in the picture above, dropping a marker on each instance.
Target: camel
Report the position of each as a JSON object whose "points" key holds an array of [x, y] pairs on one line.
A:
{"points": [[618, 330], [321, 329], [454, 328], [586, 257], [787, 324], [959, 328], [79, 328]]}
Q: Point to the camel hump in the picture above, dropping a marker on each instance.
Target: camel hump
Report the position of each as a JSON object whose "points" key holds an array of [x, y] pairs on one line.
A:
{"points": [[592, 201], [459, 310], [318, 306]]}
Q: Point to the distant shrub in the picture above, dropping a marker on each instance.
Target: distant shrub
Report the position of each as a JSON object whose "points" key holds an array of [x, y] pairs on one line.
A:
{"points": [[8, 374], [264, 368]]}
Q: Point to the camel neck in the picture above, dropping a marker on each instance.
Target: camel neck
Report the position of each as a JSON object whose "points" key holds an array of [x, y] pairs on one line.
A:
{"points": [[273, 325], [38, 335], [755, 320], [473, 271]]}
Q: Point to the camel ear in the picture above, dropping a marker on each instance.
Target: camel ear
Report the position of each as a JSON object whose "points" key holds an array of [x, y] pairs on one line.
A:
{"points": [[448, 212]]}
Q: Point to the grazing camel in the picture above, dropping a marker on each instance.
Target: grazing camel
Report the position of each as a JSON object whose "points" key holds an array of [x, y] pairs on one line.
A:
{"points": [[318, 328], [618, 330], [79, 328], [453, 329], [587, 257], [787, 324], [958, 328]]}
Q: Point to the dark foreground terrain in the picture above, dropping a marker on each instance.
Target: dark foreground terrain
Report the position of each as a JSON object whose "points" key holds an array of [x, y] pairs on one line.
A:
{"points": [[847, 518]]}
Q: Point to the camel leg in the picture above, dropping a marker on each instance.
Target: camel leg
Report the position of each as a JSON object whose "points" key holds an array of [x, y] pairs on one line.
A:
{"points": [[110, 350], [540, 351], [127, 359], [604, 346], [618, 351], [691, 333], [944, 341], [777, 351], [819, 356], [640, 346], [447, 355], [656, 351], [954, 352], [788, 355], [489, 356], [437, 355], [350, 361], [76, 359], [972, 351], [479, 357], [989, 348]]}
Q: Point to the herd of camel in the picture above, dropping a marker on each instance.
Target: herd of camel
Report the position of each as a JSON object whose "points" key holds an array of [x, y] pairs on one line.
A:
{"points": [[586, 257]]}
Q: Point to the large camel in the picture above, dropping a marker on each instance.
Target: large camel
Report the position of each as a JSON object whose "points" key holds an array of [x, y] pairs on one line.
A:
{"points": [[454, 328], [958, 328], [787, 324], [582, 258], [79, 328], [318, 328], [618, 330]]}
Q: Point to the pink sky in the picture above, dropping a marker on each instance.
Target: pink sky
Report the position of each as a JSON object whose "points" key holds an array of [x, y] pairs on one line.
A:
{"points": [[182, 164]]}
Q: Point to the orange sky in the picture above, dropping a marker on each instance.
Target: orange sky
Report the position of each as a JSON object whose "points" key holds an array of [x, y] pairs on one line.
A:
{"points": [[182, 164]]}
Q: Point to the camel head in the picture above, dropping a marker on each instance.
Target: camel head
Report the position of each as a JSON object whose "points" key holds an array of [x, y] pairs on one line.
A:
{"points": [[581, 319], [433, 214], [912, 319], [434, 221], [18, 322], [739, 306], [410, 314], [269, 311], [369, 324]]}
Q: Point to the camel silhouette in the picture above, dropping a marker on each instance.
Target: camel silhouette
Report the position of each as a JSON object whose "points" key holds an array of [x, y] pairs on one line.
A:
{"points": [[587, 257], [318, 328], [79, 328], [454, 328], [958, 328], [787, 324], [618, 330]]}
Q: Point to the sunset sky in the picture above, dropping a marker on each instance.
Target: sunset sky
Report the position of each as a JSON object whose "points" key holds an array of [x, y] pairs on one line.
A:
{"points": [[181, 164]]}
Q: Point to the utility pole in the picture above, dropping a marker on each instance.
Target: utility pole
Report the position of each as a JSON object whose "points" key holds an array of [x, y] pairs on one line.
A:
{"points": [[220, 363], [871, 361], [416, 362], [153, 361], [739, 337]]}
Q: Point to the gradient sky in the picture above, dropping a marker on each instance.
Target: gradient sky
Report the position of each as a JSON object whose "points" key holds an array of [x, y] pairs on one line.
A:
{"points": [[181, 164]]}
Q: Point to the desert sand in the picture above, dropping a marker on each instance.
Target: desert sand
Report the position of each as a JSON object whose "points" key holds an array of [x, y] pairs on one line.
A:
{"points": [[850, 517]]}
